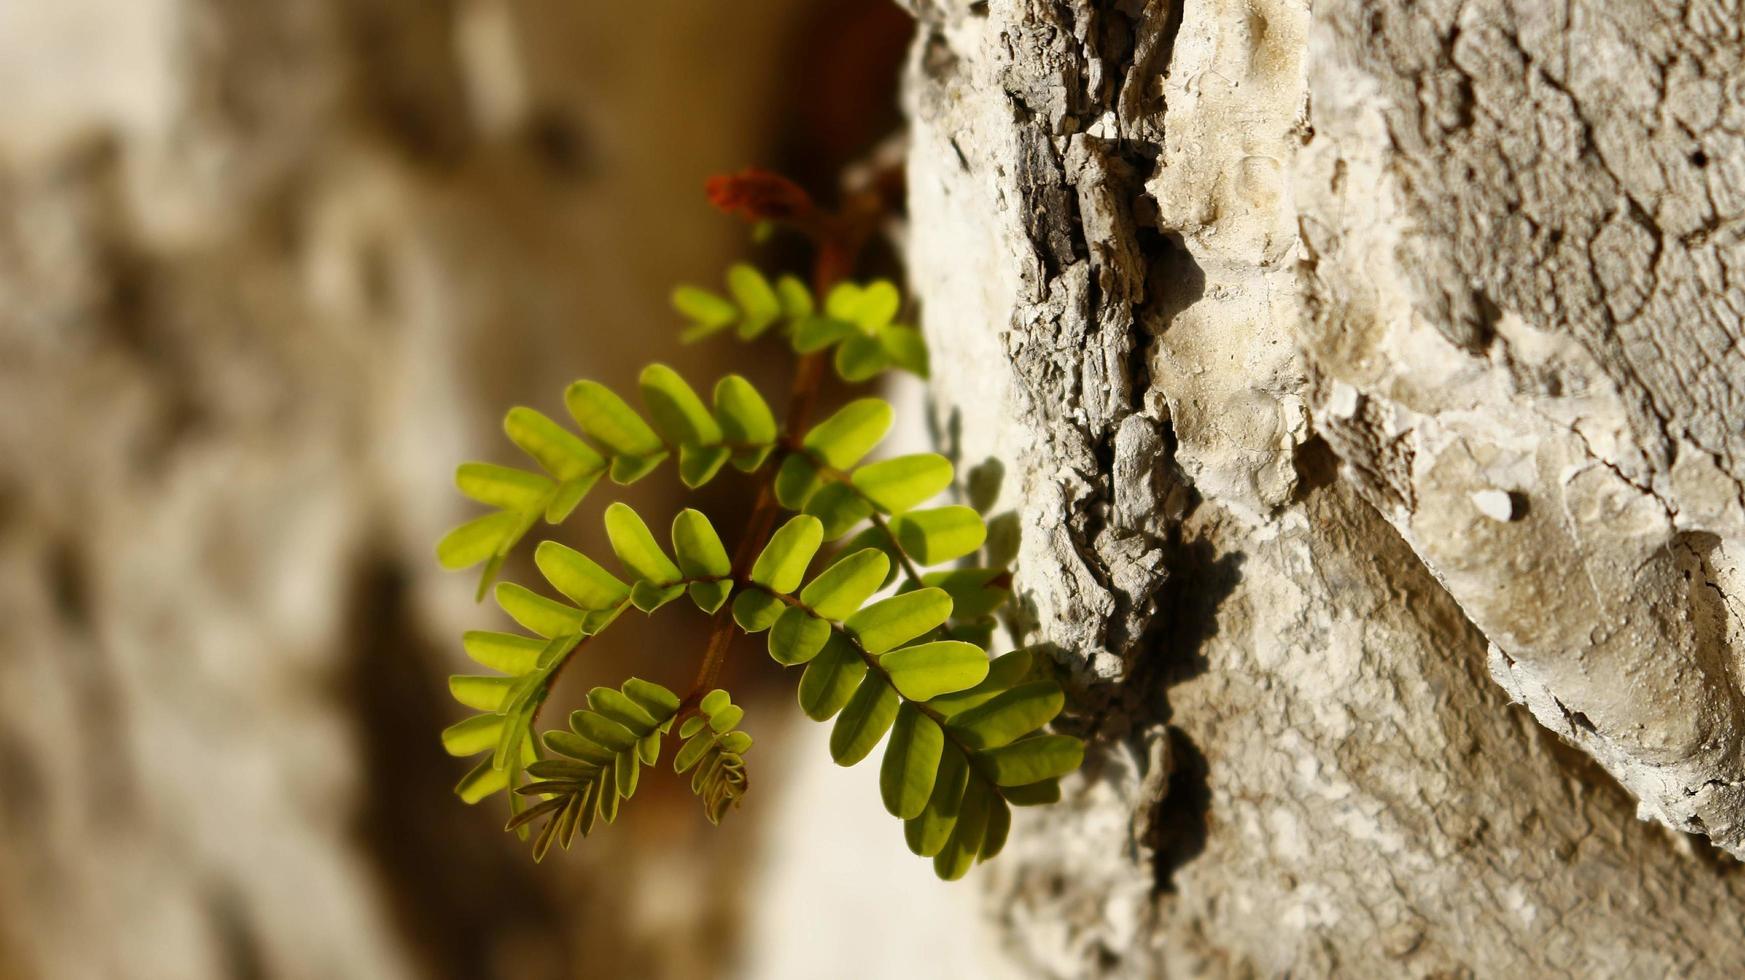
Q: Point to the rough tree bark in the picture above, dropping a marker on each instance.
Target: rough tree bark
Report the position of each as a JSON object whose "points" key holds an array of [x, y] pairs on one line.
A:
{"points": [[1363, 375]]}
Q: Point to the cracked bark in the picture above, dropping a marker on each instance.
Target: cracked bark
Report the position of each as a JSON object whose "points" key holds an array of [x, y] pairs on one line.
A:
{"points": [[1359, 375]]}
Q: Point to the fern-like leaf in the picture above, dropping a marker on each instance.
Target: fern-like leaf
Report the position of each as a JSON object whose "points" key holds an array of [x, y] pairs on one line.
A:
{"points": [[714, 754], [615, 440], [598, 761], [966, 738]]}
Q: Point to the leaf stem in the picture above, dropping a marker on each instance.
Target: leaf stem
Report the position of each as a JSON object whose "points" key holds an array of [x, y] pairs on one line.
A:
{"points": [[834, 259]]}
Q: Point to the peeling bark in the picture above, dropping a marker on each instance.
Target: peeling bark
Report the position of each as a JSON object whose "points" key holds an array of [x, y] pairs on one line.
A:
{"points": [[1361, 373]]}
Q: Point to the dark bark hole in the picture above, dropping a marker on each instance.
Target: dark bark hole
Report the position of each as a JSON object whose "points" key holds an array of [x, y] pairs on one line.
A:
{"points": [[1180, 821], [69, 585], [1699, 159], [234, 934], [561, 145], [459, 907]]}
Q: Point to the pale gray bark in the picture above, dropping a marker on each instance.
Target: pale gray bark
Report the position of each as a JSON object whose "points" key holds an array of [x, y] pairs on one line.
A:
{"points": [[1358, 373]]}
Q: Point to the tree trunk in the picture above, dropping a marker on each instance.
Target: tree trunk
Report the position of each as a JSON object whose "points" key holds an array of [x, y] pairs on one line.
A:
{"points": [[1362, 376]]}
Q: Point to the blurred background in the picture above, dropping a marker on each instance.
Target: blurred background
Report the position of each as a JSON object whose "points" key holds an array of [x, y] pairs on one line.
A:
{"points": [[268, 270]]}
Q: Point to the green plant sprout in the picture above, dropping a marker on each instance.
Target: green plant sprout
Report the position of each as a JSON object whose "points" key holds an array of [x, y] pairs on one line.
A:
{"points": [[894, 652]]}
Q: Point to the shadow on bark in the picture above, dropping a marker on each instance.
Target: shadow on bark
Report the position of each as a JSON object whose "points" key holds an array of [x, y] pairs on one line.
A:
{"points": [[467, 904], [1200, 580]]}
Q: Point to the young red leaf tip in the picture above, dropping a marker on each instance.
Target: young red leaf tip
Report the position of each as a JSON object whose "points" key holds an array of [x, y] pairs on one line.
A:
{"points": [[758, 195]]}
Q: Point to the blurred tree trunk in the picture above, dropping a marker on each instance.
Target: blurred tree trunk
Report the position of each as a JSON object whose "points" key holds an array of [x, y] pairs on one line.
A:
{"points": [[268, 271], [1360, 377]]}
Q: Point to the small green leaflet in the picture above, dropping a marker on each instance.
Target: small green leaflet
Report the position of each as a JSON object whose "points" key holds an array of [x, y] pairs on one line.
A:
{"points": [[578, 577], [864, 720], [941, 534], [843, 438], [1034, 759], [605, 418], [839, 507], [701, 555], [797, 637], [708, 312], [746, 422], [928, 670], [1009, 715], [636, 547], [928, 832], [782, 564], [757, 300], [831, 679], [896, 485], [503, 486], [679, 415], [796, 298], [840, 590], [911, 763], [889, 623]]}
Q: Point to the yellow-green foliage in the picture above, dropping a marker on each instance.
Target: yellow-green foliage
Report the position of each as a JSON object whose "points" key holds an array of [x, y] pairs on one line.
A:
{"points": [[889, 651]]}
